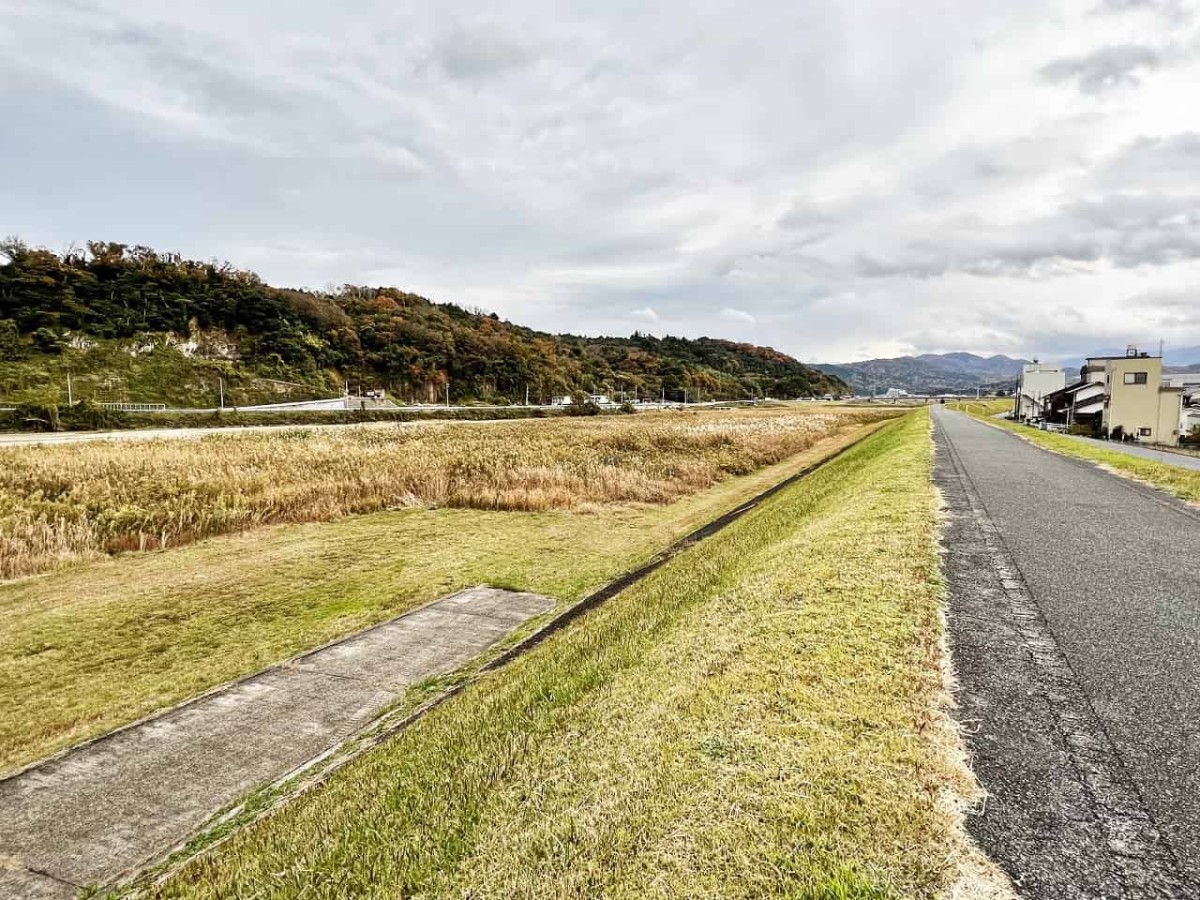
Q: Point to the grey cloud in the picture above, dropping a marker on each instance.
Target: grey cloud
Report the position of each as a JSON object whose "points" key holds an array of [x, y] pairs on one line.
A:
{"points": [[1168, 9], [481, 51], [1184, 299], [204, 81], [1126, 230], [1104, 69], [804, 216], [975, 167], [1162, 164]]}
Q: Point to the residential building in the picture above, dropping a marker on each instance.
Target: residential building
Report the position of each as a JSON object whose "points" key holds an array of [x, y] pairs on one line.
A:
{"points": [[1037, 380], [1189, 384], [1139, 404], [1079, 403], [1121, 397], [1189, 421]]}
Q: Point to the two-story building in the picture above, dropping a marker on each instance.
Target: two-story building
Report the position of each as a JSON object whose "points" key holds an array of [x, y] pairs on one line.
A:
{"points": [[1122, 397], [1138, 404]]}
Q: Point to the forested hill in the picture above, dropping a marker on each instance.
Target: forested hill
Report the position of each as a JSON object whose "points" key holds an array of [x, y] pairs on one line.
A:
{"points": [[156, 327]]}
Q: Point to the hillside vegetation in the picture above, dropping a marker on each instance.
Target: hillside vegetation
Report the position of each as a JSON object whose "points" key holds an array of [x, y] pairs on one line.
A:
{"points": [[132, 324]]}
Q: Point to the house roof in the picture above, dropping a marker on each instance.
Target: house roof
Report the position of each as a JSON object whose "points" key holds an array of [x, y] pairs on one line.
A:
{"points": [[1069, 389]]}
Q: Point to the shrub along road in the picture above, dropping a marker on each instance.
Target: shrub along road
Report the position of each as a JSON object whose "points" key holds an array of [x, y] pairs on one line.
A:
{"points": [[1075, 615]]}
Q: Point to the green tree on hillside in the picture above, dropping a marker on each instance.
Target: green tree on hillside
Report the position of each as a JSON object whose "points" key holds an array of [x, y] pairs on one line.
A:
{"points": [[371, 336]]}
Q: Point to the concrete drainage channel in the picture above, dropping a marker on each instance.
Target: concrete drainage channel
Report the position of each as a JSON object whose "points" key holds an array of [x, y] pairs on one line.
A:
{"points": [[131, 807]]}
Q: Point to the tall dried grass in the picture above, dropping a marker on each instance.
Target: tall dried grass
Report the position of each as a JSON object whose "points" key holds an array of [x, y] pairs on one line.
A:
{"points": [[62, 504]]}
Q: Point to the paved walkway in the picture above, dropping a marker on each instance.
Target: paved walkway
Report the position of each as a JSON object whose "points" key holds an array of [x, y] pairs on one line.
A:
{"points": [[109, 807], [1182, 460], [1075, 620]]}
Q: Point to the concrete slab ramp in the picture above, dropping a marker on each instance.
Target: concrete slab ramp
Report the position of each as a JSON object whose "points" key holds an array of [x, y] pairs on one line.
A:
{"points": [[111, 806]]}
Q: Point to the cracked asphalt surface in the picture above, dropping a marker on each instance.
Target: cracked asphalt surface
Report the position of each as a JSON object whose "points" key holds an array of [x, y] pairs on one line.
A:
{"points": [[1075, 621]]}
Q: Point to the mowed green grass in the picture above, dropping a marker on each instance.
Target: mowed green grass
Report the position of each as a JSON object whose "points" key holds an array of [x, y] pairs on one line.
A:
{"points": [[759, 718], [87, 649], [1183, 483], [983, 407]]}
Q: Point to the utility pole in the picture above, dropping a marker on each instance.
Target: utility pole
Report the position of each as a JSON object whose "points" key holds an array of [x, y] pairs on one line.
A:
{"points": [[527, 394], [222, 382], [70, 396], [447, 392]]}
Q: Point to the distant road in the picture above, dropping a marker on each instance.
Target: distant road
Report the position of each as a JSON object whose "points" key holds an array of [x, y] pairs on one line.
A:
{"points": [[12, 439], [1075, 621], [148, 434], [1165, 457]]}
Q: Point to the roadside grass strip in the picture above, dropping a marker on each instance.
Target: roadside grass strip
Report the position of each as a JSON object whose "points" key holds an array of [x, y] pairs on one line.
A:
{"points": [[87, 649], [1182, 482], [983, 407], [760, 717]]}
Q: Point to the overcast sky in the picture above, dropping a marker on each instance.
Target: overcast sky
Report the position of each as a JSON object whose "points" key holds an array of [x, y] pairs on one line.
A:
{"points": [[836, 179]]}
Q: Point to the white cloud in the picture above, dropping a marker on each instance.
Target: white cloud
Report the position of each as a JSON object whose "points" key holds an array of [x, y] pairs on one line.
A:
{"points": [[738, 315], [645, 314], [862, 176]]}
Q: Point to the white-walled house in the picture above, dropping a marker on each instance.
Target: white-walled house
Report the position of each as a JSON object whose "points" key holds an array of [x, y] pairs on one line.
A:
{"points": [[1037, 380]]}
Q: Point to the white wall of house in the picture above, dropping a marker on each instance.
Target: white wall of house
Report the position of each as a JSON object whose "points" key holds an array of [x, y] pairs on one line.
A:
{"points": [[1189, 419], [1037, 380]]}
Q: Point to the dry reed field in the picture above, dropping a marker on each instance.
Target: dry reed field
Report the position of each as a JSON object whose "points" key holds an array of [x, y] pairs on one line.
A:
{"points": [[64, 504]]}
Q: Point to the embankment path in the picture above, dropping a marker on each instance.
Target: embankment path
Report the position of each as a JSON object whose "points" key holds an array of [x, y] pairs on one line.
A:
{"points": [[1075, 619]]}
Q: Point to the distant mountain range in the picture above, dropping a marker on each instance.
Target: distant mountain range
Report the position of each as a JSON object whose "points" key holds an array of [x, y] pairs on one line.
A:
{"points": [[929, 373], [950, 373]]}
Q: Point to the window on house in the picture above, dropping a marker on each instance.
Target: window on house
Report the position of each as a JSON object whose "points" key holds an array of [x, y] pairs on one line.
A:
{"points": [[1135, 377], [1143, 432]]}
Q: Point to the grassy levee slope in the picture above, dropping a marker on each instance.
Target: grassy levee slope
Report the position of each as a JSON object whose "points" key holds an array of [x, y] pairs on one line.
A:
{"points": [[1183, 483], [88, 648], [758, 718]]}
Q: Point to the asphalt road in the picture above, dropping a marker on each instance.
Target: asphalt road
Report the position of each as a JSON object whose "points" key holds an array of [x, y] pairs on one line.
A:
{"points": [[1163, 456], [1075, 622]]}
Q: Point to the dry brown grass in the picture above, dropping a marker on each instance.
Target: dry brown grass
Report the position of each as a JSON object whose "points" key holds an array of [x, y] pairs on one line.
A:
{"points": [[68, 503]]}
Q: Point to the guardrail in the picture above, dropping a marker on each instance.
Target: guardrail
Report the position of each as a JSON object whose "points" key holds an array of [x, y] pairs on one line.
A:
{"points": [[134, 407]]}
